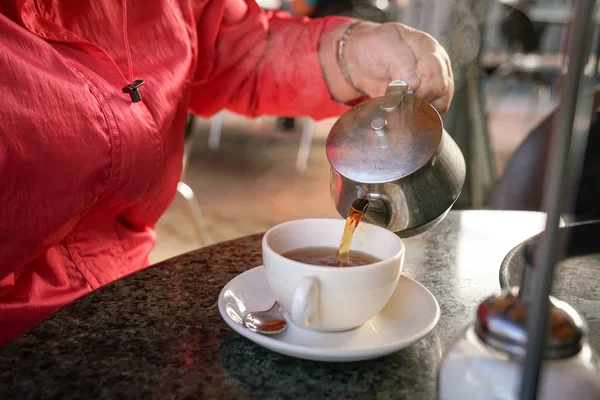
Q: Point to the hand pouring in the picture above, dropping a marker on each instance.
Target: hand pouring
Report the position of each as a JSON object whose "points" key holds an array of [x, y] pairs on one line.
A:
{"points": [[393, 151]]}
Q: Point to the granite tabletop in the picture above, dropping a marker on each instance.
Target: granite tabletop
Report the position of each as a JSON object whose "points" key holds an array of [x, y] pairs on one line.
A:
{"points": [[158, 334]]}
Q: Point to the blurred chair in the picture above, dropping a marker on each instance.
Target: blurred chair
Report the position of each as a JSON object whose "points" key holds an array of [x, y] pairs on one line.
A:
{"points": [[369, 10], [521, 186], [523, 25], [216, 126], [308, 130], [460, 26], [187, 193], [517, 28]]}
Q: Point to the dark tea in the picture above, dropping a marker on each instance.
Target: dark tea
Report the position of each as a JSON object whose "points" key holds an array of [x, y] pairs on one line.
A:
{"points": [[327, 257]]}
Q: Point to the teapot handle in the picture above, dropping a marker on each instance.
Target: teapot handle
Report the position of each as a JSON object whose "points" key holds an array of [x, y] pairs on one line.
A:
{"points": [[395, 93], [398, 87]]}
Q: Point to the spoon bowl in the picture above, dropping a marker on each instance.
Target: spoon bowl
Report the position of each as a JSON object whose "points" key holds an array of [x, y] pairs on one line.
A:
{"points": [[268, 322]]}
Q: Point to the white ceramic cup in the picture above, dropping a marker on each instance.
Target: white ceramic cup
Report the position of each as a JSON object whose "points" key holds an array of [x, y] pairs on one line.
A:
{"points": [[331, 298]]}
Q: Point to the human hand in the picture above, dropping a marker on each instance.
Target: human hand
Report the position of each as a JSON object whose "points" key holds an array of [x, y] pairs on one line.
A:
{"points": [[377, 54]]}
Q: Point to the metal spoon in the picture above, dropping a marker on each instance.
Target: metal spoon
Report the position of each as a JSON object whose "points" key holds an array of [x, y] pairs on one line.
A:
{"points": [[267, 322]]}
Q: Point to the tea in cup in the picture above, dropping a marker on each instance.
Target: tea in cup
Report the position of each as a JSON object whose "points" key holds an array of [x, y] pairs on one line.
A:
{"points": [[300, 263]]}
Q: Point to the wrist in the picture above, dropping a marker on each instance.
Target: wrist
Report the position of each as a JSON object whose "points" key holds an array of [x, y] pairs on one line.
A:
{"points": [[336, 73]]}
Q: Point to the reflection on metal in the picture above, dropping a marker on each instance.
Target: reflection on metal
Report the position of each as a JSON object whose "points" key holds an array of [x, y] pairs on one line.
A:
{"points": [[234, 306]]}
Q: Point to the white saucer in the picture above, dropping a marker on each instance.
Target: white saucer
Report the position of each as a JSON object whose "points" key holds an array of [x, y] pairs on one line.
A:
{"points": [[411, 313]]}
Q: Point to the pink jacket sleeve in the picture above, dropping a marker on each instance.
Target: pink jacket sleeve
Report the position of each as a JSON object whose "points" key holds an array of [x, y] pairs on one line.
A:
{"points": [[261, 63]]}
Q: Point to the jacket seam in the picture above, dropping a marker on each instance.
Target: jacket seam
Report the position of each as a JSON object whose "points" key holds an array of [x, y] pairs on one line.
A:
{"points": [[78, 261], [115, 170], [158, 142]]}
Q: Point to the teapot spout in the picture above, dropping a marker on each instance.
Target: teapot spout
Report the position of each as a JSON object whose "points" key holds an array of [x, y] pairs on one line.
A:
{"points": [[379, 211]]}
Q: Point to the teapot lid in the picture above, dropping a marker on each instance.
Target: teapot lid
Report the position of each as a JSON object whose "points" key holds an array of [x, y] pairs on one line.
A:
{"points": [[385, 138]]}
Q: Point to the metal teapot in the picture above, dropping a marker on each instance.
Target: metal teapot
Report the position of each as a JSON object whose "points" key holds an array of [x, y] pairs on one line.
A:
{"points": [[393, 151]]}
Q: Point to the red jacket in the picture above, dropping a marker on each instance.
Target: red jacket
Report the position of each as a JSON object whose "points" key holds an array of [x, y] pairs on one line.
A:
{"points": [[85, 173]]}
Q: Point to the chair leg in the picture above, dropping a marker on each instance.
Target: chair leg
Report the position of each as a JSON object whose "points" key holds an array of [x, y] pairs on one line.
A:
{"points": [[481, 157], [308, 130], [214, 135], [533, 108], [196, 212]]}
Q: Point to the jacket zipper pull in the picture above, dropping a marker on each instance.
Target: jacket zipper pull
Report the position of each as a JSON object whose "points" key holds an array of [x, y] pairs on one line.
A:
{"points": [[133, 90]]}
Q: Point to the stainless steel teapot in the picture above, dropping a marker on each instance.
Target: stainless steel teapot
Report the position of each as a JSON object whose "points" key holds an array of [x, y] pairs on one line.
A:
{"points": [[393, 151]]}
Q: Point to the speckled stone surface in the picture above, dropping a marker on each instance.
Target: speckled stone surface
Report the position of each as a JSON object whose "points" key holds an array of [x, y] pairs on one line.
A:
{"points": [[157, 334]]}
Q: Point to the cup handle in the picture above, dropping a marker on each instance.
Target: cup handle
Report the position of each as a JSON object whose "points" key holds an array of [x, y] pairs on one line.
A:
{"points": [[305, 304]]}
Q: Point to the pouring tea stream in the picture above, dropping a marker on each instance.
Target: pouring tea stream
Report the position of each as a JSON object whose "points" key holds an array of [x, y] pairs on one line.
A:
{"points": [[355, 215]]}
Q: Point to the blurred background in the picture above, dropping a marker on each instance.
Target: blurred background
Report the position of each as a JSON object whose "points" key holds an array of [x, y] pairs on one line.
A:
{"points": [[243, 176]]}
